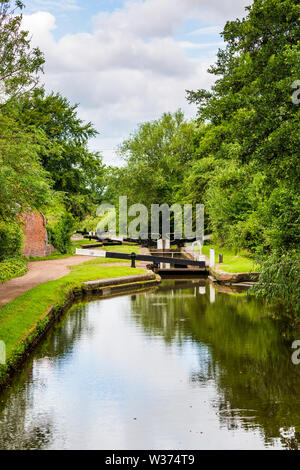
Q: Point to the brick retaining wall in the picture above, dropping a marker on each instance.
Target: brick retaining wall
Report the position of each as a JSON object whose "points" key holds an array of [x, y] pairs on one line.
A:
{"points": [[35, 235]]}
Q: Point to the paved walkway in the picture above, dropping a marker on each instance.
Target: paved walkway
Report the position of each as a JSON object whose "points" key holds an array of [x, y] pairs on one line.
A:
{"points": [[44, 271], [38, 273]]}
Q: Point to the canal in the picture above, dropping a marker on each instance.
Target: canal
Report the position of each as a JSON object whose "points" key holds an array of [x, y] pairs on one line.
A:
{"points": [[182, 366]]}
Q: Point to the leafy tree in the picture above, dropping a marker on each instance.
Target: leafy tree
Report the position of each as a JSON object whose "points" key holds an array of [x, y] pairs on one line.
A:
{"points": [[24, 184], [74, 169], [252, 125], [20, 64], [154, 158]]}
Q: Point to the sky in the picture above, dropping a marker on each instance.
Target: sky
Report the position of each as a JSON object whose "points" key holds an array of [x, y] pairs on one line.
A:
{"points": [[127, 62]]}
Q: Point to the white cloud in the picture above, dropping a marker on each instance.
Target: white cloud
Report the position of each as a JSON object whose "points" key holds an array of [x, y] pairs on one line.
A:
{"points": [[130, 68], [162, 17]]}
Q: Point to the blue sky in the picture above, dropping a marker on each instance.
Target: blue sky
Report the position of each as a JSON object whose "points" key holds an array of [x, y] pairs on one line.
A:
{"points": [[126, 62], [76, 16], [72, 16]]}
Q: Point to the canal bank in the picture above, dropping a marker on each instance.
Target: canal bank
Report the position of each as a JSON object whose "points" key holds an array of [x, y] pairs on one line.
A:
{"points": [[25, 320], [224, 277], [180, 366], [228, 273]]}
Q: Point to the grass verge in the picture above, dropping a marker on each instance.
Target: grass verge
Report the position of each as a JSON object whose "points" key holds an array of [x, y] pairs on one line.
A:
{"points": [[232, 262], [122, 248]]}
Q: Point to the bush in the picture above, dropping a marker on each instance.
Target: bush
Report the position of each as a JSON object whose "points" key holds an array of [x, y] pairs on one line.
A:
{"points": [[11, 239], [60, 234], [89, 223], [279, 283], [12, 267]]}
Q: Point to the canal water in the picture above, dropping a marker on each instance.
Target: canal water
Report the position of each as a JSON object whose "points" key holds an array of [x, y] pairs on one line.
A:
{"points": [[182, 366]]}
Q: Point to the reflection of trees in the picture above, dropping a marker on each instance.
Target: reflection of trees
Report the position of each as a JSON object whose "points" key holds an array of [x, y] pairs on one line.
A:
{"points": [[17, 431], [64, 334], [18, 428], [163, 312], [250, 362]]}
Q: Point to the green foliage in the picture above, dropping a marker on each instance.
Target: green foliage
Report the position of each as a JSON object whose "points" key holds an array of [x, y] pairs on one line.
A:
{"points": [[89, 223], [252, 131], [280, 284], [19, 63], [11, 238], [12, 267], [60, 234], [155, 156], [24, 184], [43, 142], [75, 171]]}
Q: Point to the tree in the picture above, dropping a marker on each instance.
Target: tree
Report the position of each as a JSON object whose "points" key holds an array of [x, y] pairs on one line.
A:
{"points": [[24, 184], [20, 64], [154, 157], [74, 169], [253, 125]]}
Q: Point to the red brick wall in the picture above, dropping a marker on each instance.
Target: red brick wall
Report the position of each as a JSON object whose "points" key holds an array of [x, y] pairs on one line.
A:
{"points": [[35, 235]]}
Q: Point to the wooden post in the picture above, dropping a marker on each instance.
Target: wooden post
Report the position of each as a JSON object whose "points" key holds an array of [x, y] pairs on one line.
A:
{"points": [[220, 258]]}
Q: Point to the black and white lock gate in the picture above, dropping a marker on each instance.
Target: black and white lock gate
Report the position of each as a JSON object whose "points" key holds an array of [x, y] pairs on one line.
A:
{"points": [[133, 257]]}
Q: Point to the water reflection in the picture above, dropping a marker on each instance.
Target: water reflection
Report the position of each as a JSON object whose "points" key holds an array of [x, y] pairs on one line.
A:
{"points": [[184, 366], [258, 386]]}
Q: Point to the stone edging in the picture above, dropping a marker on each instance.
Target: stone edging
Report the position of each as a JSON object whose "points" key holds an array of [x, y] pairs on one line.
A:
{"points": [[233, 278], [102, 287]]}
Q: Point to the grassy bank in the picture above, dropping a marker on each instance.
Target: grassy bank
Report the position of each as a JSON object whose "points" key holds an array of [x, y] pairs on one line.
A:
{"points": [[25, 314], [232, 262]]}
